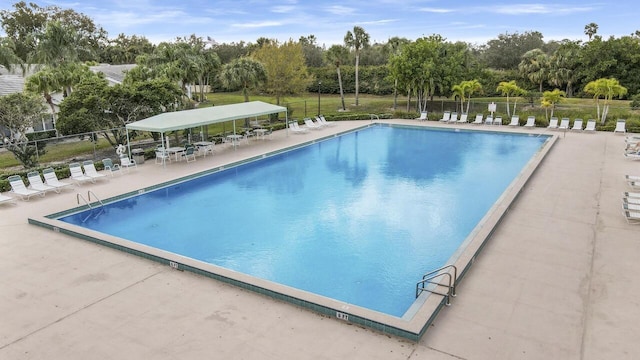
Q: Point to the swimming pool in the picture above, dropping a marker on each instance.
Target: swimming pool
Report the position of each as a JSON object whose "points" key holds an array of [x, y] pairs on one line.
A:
{"points": [[351, 218]]}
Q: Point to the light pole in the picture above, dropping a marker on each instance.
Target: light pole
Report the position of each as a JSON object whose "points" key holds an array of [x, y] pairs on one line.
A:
{"points": [[319, 83]]}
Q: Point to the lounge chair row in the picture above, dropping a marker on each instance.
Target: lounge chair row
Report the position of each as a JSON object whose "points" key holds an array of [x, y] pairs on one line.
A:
{"points": [[37, 187], [319, 123], [125, 165], [480, 119], [631, 200]]}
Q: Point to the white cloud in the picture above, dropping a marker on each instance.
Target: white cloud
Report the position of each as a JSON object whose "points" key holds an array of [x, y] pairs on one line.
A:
{"points": [[282, 9], [340, 10], [524, 9], [436, 10], [259, 24]]}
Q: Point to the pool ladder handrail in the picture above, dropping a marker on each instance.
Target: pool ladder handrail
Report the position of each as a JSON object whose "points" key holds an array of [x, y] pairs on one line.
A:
{"points": [[429, 278], [374, 116], [88, 203]]}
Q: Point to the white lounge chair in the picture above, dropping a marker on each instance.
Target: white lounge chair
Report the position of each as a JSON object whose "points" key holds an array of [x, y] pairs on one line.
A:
{"points": [[311, 125], [591, 126], [631, 195], [111, 167], [35, 183], [127, 163], [632, 156], [564, 124], [453, 117], [515, 120], [18, 187], [463, 119], [445, 116], [631, 200], [90, 170], [296, 129], [51, 179], [631, 207], [620, 126], [497, 120], [478, 120], [423, 116], [332, 123], [632, 217], [577, 125], [553, 123], [488, 120], [4, 199], [531, 122]]}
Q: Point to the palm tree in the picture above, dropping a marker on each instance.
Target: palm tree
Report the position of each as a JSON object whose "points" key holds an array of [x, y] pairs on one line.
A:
{"points": [[550, 99], [563, 66], [56, 46], [472, 87], [591, 30], [356, 40], [510, 88], [336, 55], [243, 73], [45, 82], [8, 57], [535, 66], [459, 92], [606, 88]]}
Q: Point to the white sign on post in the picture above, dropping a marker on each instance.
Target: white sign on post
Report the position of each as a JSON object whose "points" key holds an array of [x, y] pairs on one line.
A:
{"points": [[492, 108]]}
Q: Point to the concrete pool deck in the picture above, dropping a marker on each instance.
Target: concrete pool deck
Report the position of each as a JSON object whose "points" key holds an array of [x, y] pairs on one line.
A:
{"points": [[556, 280]]}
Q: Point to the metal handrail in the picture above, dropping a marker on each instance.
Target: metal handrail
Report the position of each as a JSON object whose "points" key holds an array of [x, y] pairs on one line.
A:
{"points": [[89, 193], [430, 276], [374, 115], [88, 203]]}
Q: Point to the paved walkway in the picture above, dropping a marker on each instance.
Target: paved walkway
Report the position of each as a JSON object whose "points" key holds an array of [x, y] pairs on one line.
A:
{"points": [[556, 281]]}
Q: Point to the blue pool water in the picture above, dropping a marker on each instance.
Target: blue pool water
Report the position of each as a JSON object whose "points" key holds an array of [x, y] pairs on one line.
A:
{"points": [[357, 218]]}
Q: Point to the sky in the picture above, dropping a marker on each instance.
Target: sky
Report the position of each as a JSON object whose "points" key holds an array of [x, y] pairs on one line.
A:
{"points": [[475, 22]]}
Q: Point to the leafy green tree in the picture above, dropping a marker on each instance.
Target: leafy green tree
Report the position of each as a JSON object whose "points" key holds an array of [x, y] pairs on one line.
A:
{"points": [[535, 67], [606, 89], [313, 54], [45, 82], [21, 23], [8, 57], [510, 88], [125, 49], [465, 90], [505, 52], [393, 47], [285, 68], [337, 55], [18, 112], [357, 40], [244, 73], [550, 99]]}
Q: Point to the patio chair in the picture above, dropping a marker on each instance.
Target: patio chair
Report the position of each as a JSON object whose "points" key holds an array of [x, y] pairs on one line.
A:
{"points": [[162, 156], [553, 123], [632, 217], [635, 155], [478, 120], [488, 120], [463, 119], [127, 163], [564, 124], [497, 120], [453, 118], [515, 120], [620, 126], [18, 187], [111, 167], [631, 200], [189, 154], [78, 175], [293, 126], [423, 116], [4, 199], [591, 126], [577, 125], [332, 123], [445, 116], [531, 122], [311, 125], [35, 183], [90, 170], [51, 179], [631, 194]]}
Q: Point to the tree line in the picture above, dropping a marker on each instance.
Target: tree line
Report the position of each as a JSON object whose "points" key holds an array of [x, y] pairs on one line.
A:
{"points": [[58, 44]]}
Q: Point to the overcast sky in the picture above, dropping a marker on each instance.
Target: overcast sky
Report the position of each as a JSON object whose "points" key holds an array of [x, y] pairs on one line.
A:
{"points": [[466, 20]]}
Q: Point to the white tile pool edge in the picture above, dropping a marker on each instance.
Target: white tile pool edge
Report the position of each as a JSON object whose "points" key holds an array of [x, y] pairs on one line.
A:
{"points": [[411, 326]]}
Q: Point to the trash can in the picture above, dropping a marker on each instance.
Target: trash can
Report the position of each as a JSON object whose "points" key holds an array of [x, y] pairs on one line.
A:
{"points": [[138, 156]]}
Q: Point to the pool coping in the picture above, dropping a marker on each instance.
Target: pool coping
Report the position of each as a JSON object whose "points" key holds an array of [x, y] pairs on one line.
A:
{"points": [[410, 327]]}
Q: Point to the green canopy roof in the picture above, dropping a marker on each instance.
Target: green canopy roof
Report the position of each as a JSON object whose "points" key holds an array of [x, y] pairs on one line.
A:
{"points": [[185, 119]]}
